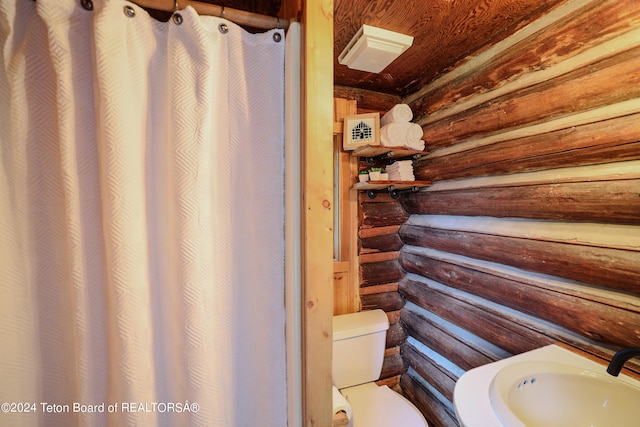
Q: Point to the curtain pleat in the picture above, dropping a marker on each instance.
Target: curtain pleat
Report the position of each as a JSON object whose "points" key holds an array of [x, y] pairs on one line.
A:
{"points": [[141, 218]]}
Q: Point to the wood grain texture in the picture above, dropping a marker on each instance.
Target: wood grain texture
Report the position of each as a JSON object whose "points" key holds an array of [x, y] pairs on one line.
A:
{"points": [[252, 15], [607, 322], [609, 268], [437, 413], [396, 335], [317, 213], [615, 202], [377, 273], [445, 341], [389, 242], [559, 41], [445, 33], [595, 143], [373, 214], [387, 301], [609, 81], [471, 314], [538, 128], [392, 366], [368, 101], [443, 380]]}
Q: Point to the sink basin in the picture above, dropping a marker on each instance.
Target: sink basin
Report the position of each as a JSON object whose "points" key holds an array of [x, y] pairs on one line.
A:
{"points": [[547, 387], [547, 394]]}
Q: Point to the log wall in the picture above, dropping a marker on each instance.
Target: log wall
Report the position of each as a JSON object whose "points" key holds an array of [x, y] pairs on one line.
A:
{"points": [[530, 234], [380, 273]]}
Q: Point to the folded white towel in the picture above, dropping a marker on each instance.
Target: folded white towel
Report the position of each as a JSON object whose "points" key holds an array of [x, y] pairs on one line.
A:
{"points": [[399, 113], [400, 172], [401, 164], [401, 177], [400, 169]]}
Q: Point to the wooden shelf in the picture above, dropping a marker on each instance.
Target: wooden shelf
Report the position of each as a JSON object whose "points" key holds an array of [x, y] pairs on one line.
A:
{"points": [[398, 185], [372, 151], [393, 187], [375, 152]]}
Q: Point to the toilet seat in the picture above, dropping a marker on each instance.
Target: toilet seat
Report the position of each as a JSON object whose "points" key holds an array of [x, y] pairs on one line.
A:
{"points": [[375, 406]]}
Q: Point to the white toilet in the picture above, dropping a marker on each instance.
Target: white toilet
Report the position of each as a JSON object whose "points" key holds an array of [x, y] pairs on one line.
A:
{"points": [[358, 353]]}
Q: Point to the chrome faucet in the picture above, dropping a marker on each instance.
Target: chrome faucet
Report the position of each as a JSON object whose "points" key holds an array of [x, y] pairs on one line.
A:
{"points": [[620, 358]]}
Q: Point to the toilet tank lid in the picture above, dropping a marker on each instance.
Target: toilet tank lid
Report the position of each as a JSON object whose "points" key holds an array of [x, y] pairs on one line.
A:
{"points": [[361, 323]]}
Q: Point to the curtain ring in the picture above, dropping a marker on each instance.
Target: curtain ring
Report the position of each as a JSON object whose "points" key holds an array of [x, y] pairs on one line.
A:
{"points": [[177, 18], [87, 4], [222, 12], [277, 22], [129, 11]]}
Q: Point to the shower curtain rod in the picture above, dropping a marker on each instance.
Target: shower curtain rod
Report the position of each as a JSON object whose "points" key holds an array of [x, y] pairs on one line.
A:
{"points": [[235, 15]]}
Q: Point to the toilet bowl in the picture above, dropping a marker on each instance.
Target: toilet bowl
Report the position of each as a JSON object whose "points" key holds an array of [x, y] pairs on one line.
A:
{"points": [[374, 406], [358, 352]]}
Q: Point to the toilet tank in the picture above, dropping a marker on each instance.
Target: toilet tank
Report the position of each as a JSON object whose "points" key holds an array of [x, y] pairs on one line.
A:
{"points": [[358, 347]]}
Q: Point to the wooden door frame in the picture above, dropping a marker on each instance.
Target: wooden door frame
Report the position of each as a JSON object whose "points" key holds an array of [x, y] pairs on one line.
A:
{"points": [[317, 213]]}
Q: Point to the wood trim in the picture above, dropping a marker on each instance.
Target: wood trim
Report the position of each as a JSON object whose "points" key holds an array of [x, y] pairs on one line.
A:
{"points": [[340, 267], [346, 298], [317, 216]]}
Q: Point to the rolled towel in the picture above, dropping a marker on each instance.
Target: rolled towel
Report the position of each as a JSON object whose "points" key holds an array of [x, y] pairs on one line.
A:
{"points": [[414, 132], [399, 113], [407, 135], [394, 134]]}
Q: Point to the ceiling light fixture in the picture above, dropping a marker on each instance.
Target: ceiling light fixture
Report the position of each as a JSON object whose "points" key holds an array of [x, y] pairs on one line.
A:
{"points": [[372, 49]]}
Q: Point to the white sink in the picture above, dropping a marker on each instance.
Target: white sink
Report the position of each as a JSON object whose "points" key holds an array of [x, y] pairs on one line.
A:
{"points": [[547, 387], [547, 394]]}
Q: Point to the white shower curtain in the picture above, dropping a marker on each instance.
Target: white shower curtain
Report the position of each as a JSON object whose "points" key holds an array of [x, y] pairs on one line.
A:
{"points": [[141, 219]]}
